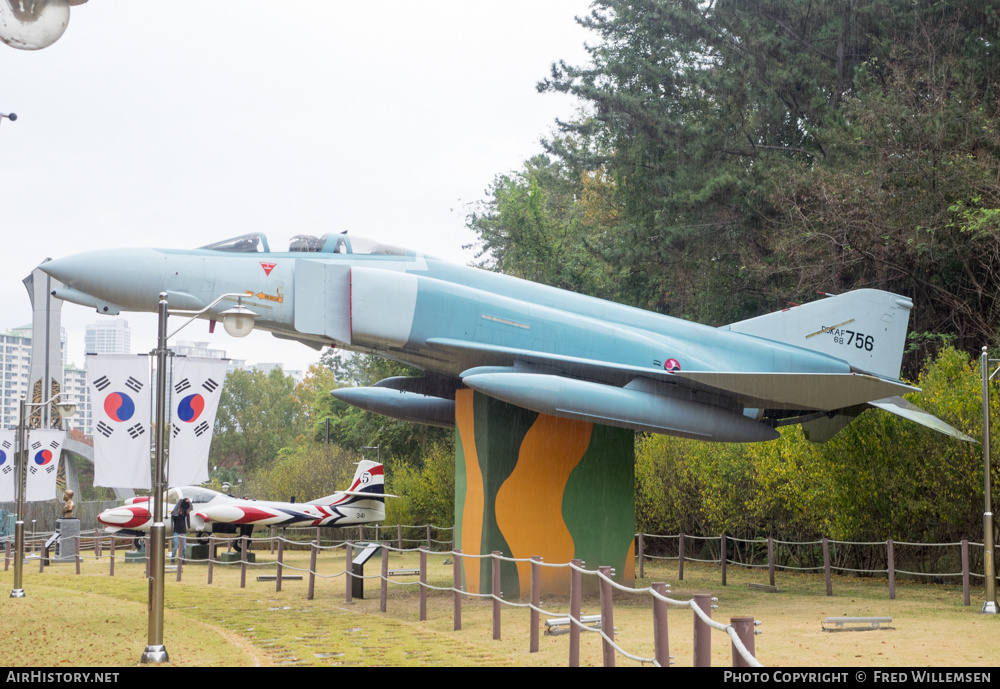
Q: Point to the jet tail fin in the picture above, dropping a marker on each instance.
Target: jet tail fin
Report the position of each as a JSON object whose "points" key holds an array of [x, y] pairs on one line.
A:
{"points": [[368, 484], [865, 327]]}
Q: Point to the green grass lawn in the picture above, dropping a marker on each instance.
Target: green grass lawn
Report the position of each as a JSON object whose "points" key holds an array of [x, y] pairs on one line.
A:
{"points": [[97, 620]]}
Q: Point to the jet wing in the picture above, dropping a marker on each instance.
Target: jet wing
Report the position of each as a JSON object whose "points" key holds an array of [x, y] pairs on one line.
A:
{"points": [[820, 391], [802, 390], [474, 354]]}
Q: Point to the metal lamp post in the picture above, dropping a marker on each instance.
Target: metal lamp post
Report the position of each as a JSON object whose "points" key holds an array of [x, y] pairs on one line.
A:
{"points": [[990, 606], [238, 322], [66, 411]]}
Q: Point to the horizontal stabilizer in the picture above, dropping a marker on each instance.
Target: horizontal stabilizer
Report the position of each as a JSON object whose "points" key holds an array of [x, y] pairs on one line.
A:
{"points": [[900, 407], [368, 495], [802, 390]]}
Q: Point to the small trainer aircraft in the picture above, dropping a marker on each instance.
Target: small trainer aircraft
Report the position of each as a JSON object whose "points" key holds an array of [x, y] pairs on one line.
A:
{"points": [[214, 512]]}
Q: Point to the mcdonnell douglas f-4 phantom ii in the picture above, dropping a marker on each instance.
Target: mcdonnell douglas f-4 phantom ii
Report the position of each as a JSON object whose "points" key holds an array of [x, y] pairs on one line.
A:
{"points": [[214, 512], [537, 347]]}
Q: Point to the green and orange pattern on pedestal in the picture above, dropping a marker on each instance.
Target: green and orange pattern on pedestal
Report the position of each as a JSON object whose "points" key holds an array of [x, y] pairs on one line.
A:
{"points": [[531, 484]]}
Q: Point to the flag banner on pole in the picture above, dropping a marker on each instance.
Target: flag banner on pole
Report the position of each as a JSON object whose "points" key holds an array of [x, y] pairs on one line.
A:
{"points": [[195, 394], [119, 400], [7, 468], [44, 447]]}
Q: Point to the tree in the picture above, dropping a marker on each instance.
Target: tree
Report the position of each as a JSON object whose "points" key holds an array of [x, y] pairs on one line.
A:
{"points": [[538, 224], [258, 415], [761, 151], [353, 428], [305, 472], [881, 477]]}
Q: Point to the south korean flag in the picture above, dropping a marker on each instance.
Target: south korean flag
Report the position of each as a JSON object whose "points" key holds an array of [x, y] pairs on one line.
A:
{"points": [[119, 400], [7, 468], [44, 447], [197, 388]]}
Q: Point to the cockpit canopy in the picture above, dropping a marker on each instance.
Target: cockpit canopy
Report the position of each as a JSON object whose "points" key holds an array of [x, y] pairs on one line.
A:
{"points": [[196, 494], [330, 243]]}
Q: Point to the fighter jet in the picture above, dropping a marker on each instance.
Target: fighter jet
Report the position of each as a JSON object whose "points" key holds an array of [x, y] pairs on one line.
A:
{"points": [[537, 347], [214, 512]]}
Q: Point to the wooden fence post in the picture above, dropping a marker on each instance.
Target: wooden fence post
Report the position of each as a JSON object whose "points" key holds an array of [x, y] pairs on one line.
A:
{"points": [[702, 632], [536, 602], [456, 583], [384, 596], [495, 588], [965, 572], [607, 617], [423, 583], [661, 641], [826, 566], [243, 562], [399, 536], [680, 558], [428, 536], [281, 561], [112, 554], [313, 550], [180, 555], [722, 557], [640, 545], [770, 559], [349, 573], [890, 557], [744, 630], [211, 557], [575, 603]]}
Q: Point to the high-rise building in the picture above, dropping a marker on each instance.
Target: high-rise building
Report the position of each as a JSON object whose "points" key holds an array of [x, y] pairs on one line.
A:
{"points": [[75, 391], [15, 364], [108, 336]]}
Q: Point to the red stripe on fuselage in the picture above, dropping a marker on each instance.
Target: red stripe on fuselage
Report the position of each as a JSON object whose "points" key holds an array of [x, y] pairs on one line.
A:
{"points": [[252, 514]]}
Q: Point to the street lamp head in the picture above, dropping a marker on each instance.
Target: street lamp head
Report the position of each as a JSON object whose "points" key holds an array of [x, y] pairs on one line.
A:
{"points": [[66, 410], [238, 321], [33, 25]]}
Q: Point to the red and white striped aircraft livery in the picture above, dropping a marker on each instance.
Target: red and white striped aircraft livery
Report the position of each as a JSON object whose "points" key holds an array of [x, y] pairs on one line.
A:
{"points": [[214, 512]]}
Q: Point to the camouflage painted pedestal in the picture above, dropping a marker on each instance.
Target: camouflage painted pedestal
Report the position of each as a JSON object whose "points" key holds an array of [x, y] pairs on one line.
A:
{"points": [[529, 484]]}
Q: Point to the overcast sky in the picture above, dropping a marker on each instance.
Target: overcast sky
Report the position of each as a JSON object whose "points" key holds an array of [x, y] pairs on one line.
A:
{"points": [[177, 123]]}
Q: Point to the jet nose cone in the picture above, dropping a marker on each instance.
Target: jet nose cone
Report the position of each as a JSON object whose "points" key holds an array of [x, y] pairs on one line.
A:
{"points": [[66, 270], [130, 278]]}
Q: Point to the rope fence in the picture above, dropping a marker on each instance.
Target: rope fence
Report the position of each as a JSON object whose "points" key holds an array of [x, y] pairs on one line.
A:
{"points": [[825, 555], [740, 630]]}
